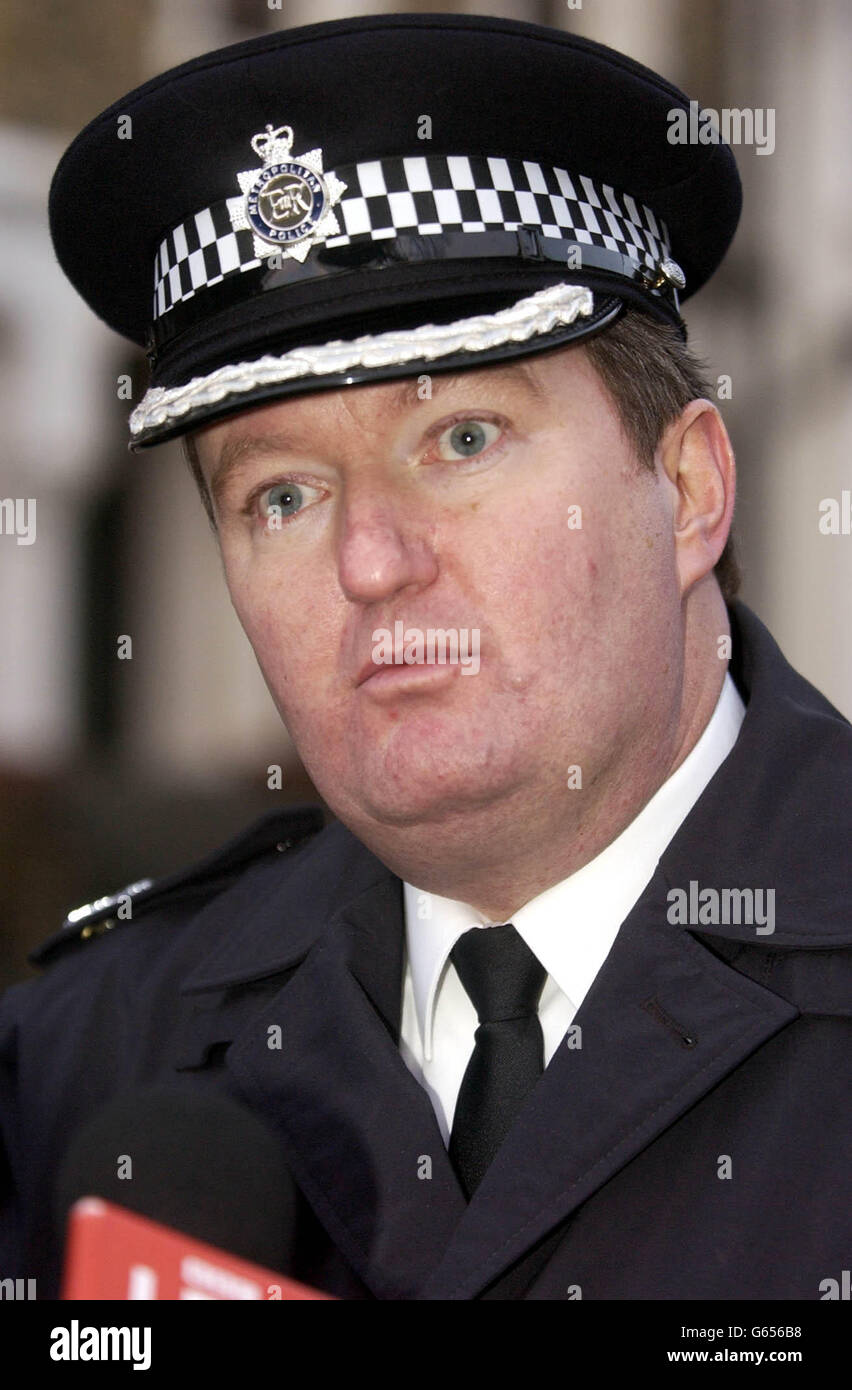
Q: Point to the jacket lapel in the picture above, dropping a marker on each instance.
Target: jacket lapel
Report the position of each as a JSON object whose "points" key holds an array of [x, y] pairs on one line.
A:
{"points": [[359, 1131], [663, 1023]]}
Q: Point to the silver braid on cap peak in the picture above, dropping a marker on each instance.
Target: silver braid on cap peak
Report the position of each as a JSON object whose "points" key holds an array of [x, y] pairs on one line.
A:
{"points": [[537, 314]]}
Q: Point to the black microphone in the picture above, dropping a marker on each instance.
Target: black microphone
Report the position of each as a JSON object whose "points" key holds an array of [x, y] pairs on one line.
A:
{"points": [[198, 1162]]}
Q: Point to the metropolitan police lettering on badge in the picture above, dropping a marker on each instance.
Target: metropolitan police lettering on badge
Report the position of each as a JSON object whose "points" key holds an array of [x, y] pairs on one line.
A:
{"points": [[76, 1343]]}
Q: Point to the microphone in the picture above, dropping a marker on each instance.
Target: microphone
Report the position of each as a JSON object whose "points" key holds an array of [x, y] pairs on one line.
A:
{"points": [[199, 1168]]}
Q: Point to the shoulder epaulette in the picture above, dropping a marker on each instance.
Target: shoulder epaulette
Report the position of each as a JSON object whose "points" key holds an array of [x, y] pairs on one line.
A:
{"points": [[279, 830]]}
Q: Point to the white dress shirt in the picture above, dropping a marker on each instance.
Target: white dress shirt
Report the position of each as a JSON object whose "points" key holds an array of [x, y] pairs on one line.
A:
{"points": [[570, 927]]}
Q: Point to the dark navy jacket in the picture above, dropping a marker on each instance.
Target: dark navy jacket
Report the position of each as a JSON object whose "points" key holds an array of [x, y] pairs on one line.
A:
{"points": [[695, 1146]]}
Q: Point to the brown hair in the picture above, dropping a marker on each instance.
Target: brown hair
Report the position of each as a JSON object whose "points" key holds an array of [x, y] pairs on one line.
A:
{"points": [[651, 376], [190, 453]]}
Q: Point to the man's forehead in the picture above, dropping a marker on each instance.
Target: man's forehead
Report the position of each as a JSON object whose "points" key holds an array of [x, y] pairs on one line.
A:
{"points": [[286, 424]]}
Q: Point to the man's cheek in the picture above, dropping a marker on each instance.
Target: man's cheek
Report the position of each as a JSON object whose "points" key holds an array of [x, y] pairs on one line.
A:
{"points": [[257, 599]]}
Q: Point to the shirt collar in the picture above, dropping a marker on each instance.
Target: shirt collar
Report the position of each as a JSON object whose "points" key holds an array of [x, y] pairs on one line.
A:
{"points": [[572, 925]]}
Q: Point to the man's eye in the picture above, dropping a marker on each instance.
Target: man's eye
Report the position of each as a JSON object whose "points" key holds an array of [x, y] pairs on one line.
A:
{"points": [[467, 438], [284, 500]]}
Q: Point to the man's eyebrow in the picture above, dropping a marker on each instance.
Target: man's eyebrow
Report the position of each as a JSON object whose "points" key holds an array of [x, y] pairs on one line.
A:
{"points": [[241, 447], [408, 393]]}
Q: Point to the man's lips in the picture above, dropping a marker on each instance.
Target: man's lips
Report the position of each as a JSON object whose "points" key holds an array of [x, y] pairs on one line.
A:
{"points": [[440, 650], [380, 674], [370, 668]]}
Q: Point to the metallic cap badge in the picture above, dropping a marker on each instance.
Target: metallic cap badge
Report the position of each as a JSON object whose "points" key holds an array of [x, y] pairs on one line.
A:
{"points": [[288, 203]]}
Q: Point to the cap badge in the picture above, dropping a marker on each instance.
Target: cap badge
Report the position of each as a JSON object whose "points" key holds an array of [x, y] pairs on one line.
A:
{"points": [[288, 203]]}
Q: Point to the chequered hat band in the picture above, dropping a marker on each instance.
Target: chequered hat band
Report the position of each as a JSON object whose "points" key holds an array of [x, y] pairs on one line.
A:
{"points": [[428, 195]]}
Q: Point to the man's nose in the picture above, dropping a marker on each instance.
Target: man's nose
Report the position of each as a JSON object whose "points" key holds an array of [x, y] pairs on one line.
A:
{"points": [[383, 547]]}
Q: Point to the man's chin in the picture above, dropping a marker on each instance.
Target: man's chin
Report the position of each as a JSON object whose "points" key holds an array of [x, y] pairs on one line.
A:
{"points": [[417, 764], [424, 792]]}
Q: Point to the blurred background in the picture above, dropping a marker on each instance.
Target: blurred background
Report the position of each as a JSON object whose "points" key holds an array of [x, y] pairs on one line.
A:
{"points": [[113, 770]]}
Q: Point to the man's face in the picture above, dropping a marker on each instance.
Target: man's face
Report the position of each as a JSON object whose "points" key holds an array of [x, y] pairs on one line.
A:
{"points": [[509, 504]]}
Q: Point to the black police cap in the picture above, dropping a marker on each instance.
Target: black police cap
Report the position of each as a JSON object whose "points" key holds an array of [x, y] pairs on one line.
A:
{"points": [[375, 197]]}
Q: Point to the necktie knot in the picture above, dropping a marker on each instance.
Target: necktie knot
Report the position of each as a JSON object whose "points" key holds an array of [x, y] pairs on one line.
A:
{"points": [[502, 976]]}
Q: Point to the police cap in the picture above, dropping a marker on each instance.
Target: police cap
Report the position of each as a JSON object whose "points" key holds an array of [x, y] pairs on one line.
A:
{"points": [[376, 197]]}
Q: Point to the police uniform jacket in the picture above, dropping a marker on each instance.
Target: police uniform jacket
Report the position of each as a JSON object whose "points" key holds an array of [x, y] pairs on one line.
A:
{"points": [[695, 1146]]}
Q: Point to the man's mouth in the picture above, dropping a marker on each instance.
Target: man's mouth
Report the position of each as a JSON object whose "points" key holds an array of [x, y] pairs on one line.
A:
{"points": [[382, 678], [409, 650]]}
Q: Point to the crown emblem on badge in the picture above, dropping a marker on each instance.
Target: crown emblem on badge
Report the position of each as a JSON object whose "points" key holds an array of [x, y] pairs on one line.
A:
{"points": [[288, 203]]}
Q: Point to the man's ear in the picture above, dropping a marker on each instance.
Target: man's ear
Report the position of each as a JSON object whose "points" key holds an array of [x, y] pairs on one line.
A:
{"points": [[696, 456]]}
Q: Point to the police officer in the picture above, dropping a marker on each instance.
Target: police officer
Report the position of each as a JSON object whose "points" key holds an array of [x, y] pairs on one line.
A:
{"points": [[559, 1005]]}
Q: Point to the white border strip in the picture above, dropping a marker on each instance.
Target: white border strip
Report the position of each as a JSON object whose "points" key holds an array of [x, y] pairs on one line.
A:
{"points": [[539, 313]]}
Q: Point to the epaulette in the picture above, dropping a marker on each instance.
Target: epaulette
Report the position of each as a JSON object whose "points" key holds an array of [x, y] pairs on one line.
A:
{"points": [[279, 830]]}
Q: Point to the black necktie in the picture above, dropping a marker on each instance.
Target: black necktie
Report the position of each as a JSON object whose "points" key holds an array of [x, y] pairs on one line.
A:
{"points": [[504, 981]]}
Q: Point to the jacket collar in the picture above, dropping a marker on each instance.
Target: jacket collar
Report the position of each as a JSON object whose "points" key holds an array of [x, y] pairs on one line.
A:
{"points": [[776, 815], [268, 921]]}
